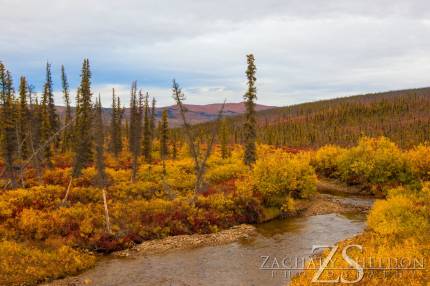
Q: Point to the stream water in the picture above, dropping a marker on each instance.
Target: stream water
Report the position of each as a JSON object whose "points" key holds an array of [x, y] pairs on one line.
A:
{"points": [[235, 263]]}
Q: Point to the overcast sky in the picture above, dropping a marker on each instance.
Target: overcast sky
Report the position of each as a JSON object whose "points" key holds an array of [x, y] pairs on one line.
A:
{"points": [[305, 49]]}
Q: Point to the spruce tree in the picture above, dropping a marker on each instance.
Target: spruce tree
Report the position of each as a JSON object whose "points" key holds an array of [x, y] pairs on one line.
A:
{"points": [[133, 118], [164, 136], [136, 106], [113, 129], [223, 138], [249, 128], [23, 120], [67, 133], [116, 122], [54, 120], [45, 129], [84, 138], [2, 83], [36, 133], [152, 120], [120, 115], [99, 144], [147, 136], [8, 125]]}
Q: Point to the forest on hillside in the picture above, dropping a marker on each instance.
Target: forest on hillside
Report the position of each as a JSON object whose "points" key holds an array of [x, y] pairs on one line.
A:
{"points": [[403, 116]]}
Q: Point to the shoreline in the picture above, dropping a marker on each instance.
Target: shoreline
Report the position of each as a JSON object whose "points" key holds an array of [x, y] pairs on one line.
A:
{"points": [[169, 244], [318, 205]]}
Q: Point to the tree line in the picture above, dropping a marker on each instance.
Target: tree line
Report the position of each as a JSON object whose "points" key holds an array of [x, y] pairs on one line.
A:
{"points": [[32, 131]]}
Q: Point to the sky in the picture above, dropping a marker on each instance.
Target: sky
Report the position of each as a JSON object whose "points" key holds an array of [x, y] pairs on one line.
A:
{"points": [[305, 50]]}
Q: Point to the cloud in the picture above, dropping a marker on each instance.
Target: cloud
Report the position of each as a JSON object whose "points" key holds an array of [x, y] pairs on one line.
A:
{"points": [[305, 50]]}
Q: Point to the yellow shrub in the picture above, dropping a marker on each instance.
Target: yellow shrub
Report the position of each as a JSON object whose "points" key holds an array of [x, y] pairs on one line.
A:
{"points": [[27, 265], [225, 172], [57, 176], [326, 160], [39, 197], [376, 163], [278, 174], [218, 201], [419, 158], [403, 213]]}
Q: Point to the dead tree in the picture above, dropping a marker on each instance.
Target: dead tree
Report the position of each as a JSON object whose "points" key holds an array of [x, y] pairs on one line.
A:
{"points": [[199, 163]]}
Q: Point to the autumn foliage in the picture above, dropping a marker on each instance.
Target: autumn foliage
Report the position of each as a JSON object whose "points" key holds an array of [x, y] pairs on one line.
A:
{"points": [[157, 204]]}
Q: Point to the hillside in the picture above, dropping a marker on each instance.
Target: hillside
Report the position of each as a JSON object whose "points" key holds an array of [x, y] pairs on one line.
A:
{"points": [[403, 116]]}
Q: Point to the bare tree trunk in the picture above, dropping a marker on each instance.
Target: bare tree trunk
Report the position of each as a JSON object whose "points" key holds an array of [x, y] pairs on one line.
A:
{"points": [[67, 191], [109, 230], [200, 165]]}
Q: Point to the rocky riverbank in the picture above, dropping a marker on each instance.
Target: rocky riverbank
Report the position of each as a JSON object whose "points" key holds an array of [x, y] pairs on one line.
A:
{"points": [[180, 242]]}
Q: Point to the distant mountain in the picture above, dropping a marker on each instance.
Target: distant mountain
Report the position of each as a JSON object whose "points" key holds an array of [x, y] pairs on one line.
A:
{"points": [[195, 114], [203, 113]]}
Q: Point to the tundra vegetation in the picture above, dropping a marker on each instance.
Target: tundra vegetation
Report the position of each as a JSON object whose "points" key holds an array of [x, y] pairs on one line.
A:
{"points": [[76, 185]]}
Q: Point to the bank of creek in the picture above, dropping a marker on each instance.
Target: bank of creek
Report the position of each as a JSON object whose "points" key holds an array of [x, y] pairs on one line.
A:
{"points": [[232, 257]]}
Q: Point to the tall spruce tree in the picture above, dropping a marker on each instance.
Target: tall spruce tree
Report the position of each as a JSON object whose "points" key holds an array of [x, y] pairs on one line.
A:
{"points": [[54, 120], [99, 144], [147, 136], [36, 133], [136, 106], [113, 129], [67, 133], [116, 124], [84, 142], [249, 127], [8, 125], [164, 136], [120, 116], [45, 129], [23, 120], [152, 120]]}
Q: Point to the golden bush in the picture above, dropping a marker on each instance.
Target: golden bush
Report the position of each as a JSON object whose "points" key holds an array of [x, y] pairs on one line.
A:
{"points": [[376, 163], [404, 213], [24, 264], [326, 160], [279, 174], [419, 158]]}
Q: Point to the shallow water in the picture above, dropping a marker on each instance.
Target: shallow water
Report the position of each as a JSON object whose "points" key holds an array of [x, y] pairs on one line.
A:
{"points": [[232, 264]]}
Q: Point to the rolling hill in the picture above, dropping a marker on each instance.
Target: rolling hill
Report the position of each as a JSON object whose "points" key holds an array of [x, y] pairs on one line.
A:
{"points": [[403, 116]]}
